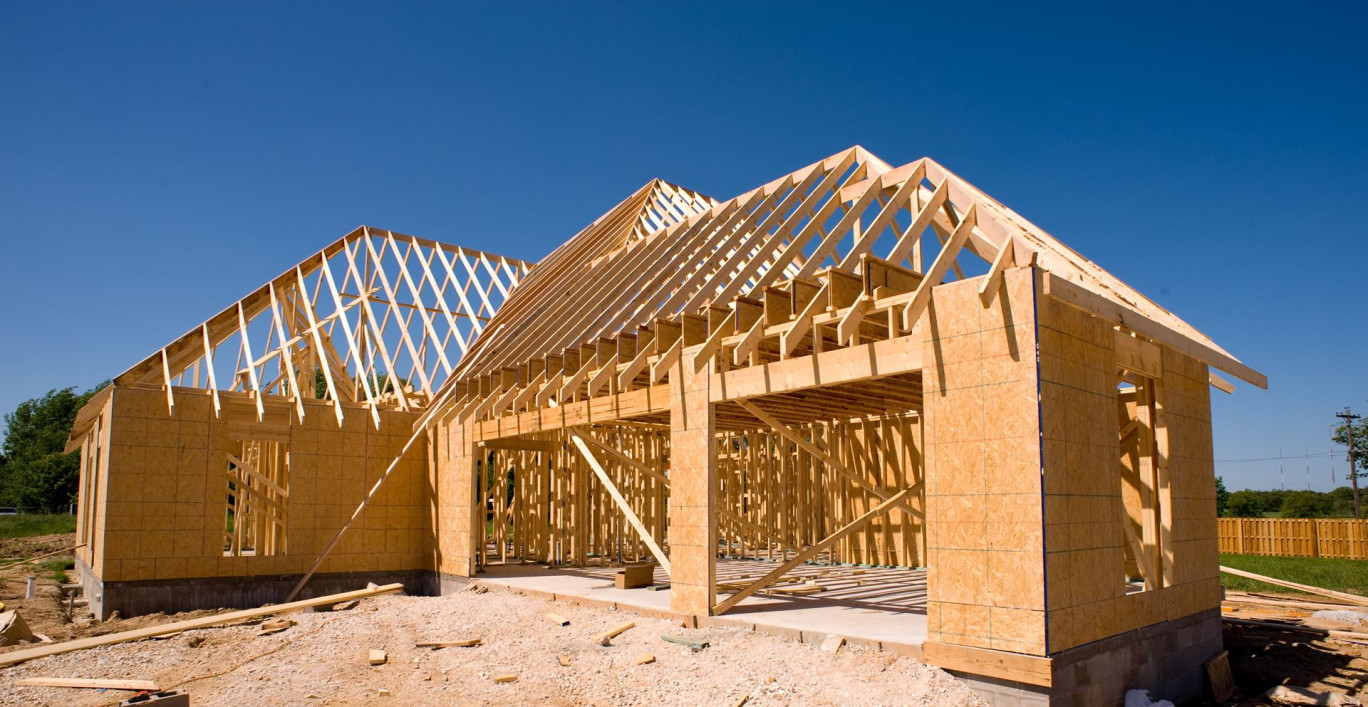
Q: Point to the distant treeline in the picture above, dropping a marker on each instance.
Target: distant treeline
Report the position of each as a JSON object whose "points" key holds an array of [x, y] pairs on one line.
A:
{"points": [[1288, 504]]}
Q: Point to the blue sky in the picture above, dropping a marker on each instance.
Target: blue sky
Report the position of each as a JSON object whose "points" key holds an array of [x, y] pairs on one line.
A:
{"points": [[159, 160]]}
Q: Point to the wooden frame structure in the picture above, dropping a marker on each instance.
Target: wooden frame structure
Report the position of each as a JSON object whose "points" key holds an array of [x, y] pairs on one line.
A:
{"points": [[853, 363], [377, 318]]}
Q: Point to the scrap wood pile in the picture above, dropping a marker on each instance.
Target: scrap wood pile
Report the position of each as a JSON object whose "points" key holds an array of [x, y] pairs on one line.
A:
{"points": [[1344, 617], [1298, 651]]}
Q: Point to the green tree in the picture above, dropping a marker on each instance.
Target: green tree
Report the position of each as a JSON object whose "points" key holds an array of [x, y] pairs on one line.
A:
{"points": [[1246, 504], [35, 473], [1222, 498], [1342, 502], [1305, 504]]}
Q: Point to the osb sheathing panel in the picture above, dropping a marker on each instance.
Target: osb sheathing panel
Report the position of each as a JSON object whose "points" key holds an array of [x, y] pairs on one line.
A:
{"points": [[693, 483], [94, 480], [167, 486], [454, 502], [984, 545], [1084, 539]]}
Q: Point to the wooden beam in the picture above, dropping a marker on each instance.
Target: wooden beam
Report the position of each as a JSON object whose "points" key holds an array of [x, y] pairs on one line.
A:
{"points": [[849, 325], [1342, 596], [990, 285], [667, 360], [1017, 667], [942, 264], [1081, 298], [91, 683]]}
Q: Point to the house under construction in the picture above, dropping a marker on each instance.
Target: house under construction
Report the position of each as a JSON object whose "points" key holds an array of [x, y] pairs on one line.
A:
{"points": [[856, 388]]}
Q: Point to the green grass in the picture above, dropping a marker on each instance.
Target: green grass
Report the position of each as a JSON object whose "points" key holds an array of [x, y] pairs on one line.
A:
{"points": [[56, 568], [26, 525], [1339, 575]]}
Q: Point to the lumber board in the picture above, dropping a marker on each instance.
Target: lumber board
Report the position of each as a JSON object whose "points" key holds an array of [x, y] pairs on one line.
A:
{"points": [[91, 683], [1331, 633], [683, 641], [1030, 669], [603, 638], [461, 643], [1082, 298], [1350, 598], [16, 657]]}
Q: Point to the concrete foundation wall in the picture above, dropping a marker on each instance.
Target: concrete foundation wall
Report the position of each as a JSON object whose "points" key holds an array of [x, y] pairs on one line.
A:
{"points": [[1165, 658]]}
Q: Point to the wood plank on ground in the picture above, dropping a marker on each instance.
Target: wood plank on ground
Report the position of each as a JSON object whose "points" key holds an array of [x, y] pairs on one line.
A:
{"points": [[16, 657]]}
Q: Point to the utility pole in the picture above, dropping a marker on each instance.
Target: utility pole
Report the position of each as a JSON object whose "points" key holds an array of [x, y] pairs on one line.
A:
{"points": [[1349, 418]]}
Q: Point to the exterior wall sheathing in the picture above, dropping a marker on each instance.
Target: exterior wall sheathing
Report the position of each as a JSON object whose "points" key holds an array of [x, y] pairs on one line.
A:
{"points": [[163, 514]]}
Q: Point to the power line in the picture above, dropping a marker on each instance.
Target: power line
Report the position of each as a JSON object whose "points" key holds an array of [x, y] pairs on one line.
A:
{"points": [[1307, 455]]}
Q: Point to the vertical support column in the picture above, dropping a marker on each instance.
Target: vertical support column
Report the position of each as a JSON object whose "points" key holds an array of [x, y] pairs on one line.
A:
{"points": [[985, 517], [693, 482], [457, 514]]}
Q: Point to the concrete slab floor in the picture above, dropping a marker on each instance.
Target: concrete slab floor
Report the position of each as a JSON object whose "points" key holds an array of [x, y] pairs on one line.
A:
{"points": [[874, 606]]}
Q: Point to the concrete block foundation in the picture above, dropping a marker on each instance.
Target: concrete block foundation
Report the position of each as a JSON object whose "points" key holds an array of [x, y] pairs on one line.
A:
{"points": [[1164, 658], [134, 598]]}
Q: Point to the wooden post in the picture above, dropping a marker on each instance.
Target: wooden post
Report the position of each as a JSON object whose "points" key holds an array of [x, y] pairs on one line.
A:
{"points": [[693, 482]]}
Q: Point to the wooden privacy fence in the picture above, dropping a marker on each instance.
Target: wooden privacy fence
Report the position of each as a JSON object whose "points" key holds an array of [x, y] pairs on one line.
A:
{"points": [[1344, 538]]}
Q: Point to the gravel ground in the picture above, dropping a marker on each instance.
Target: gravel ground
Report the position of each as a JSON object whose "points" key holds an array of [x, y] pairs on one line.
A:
{"points": [[323, 660]]}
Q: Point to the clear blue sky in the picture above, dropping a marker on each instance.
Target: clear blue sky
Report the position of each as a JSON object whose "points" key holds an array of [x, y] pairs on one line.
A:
{"points": [[159, 160]]}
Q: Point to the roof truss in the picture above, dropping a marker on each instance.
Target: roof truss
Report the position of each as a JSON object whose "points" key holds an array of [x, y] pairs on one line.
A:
{"points": [[843, 251], [375, 319]]}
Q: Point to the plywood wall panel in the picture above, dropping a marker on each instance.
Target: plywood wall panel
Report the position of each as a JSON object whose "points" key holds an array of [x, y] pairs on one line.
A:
{"points": [[983, 481]]}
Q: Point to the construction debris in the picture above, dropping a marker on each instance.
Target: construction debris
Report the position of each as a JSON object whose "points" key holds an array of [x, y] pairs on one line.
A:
{"points": [[1141, 698], [681, 640], [275, 626], [462, 643], [501, 679], [1347, 598], [91, 683], [603, 638], [645, 659], [17, 657], [558, 619], [378, 657], [1219, 677], [634, 576], [169, 698], [564, 660], [13, 629], [1303, 697], [833, 643]]}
